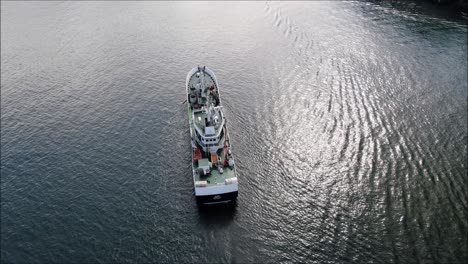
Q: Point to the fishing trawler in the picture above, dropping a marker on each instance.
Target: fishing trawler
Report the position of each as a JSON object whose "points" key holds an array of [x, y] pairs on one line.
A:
{"points": [[213, 166]]}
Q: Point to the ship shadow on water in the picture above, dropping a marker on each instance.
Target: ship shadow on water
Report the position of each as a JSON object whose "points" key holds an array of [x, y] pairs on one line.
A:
{"points": [[221, 214]]}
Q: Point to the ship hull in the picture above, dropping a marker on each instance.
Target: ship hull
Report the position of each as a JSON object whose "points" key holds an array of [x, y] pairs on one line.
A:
{"points": [[217, 191], [217, 198]]}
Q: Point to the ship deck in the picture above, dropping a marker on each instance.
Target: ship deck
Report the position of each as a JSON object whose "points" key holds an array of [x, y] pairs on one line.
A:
{"points": [[215, 177], [208, 81]]}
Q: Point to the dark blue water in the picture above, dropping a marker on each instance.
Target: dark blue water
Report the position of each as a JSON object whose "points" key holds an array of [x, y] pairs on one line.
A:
{"points": [[347, 119]]}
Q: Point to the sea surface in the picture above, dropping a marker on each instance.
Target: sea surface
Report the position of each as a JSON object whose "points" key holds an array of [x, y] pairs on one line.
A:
{"points": [[348, 122]]}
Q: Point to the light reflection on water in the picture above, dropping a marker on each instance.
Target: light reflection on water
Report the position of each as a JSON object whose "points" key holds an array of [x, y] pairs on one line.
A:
{"points": [[348, 121]]}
